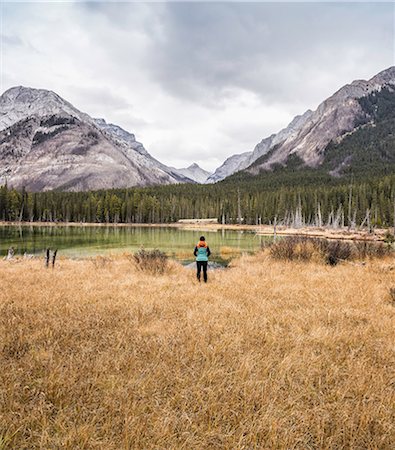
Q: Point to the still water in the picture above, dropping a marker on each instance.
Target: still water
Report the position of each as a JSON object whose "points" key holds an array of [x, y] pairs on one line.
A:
{"points": [[78, 242]]}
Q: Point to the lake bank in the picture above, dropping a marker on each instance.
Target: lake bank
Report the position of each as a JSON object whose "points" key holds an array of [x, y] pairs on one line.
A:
{"points": [[377, 234], [84, 241]]}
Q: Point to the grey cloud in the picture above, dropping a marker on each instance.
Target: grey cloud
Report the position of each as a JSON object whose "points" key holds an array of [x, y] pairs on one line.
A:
{"points": [[11, 40], [98, 101], [202, 52], [270, 49], [100, 97], [242, 132], [193, 80]]}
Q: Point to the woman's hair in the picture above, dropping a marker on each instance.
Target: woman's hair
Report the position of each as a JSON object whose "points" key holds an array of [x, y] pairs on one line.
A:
{"points": [[202, 238]]}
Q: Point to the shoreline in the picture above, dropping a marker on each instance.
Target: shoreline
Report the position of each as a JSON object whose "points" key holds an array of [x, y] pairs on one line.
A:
{"points": [[260, 230]]}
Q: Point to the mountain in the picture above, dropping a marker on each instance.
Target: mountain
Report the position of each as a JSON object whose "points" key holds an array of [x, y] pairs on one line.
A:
{"points": [[128, 142], [309, 139], [19, 103], [231, 165], [334, 119], [243, 160], [195, 173], [46, 143], [121, 136]]}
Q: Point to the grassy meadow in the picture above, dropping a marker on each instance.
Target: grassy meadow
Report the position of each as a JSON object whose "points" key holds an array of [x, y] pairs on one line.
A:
{"points": [[270, 354]]}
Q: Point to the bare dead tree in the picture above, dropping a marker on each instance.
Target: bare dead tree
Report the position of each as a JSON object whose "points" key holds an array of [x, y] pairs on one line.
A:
{"points": [[318, 220], [330, 219], [298, 220], [366, 220], [337, 218], [354, 220], [11, 253]]}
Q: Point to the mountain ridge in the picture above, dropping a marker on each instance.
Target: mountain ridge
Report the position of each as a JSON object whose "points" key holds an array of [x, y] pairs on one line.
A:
{"points": [[47, 143], [195, 172], [308, 135], [40, 157]]}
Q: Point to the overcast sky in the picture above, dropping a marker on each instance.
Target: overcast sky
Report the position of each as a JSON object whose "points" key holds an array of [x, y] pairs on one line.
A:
{"points": [[196, 82]]}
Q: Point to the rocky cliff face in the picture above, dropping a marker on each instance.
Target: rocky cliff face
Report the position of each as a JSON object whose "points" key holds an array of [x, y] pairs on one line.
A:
{"points": [[231, 165], [308, 135], [335, 118], [122, 137], [240, 162], [46, 143], [195, 173]]}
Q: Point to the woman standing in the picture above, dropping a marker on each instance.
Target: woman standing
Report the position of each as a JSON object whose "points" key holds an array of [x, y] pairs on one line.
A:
{"points": [[202, 252]]}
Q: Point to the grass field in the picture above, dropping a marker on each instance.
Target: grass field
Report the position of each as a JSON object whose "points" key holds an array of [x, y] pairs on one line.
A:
{"points": [[269, 354]]}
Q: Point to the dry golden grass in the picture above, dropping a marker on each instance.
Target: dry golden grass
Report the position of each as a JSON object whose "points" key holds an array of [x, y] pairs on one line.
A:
{"points": [[268, 354], [227, 252]]}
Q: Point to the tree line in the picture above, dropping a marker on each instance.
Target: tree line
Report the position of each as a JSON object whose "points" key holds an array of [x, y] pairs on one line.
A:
{"points": [[337, 203]]}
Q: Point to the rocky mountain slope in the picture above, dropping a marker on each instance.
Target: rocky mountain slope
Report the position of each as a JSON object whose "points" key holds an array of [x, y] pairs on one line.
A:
{"points": [[195, 173], [231, 165], [244, 160], [128, 141], [46, 143], [308, 136]]}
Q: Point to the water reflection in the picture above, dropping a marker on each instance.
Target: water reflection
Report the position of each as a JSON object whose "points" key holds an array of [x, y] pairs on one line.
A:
{"points": [[89, 241]]}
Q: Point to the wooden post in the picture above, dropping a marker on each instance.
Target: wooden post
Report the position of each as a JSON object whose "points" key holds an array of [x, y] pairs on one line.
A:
{"points": [[47, 258], [54, 258], [275, 229]]}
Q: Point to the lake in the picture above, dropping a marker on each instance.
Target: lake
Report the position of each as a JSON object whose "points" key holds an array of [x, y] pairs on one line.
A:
{"points": [[78, 242]]}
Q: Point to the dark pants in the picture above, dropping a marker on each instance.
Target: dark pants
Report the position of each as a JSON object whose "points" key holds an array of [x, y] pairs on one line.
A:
{"points": [[200, 265]]}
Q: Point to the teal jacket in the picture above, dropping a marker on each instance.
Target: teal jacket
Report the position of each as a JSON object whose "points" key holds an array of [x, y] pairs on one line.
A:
{"points": [[202, 253]]}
